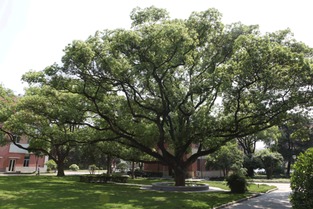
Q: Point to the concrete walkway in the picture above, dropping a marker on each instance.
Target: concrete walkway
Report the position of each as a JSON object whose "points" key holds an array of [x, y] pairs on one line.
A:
{"points": [[278, 199]]}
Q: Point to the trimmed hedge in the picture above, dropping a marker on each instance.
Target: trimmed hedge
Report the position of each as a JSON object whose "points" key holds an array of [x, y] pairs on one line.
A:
{"points": [[102, 178]]}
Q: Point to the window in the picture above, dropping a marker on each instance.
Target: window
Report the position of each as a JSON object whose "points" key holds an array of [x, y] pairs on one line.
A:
{"points": [[26, 161]]}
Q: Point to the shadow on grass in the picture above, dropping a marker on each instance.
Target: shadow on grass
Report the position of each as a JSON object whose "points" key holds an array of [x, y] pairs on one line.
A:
{"points": [[35, 192]]}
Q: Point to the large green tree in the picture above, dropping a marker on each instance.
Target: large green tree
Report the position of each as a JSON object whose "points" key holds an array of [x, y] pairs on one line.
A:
{"points": [[166, 84], [49, 119]]}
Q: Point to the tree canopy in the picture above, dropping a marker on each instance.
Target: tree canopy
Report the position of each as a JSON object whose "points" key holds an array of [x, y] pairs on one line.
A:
{"points": [[7, 105], [166, 84], [50, 120]]}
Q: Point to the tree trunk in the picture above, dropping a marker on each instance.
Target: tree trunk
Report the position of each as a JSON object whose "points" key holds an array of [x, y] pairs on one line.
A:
{"points": [[60, 169], [288, 168], [133, 170], [109, 164], [37, 159], [250, 171], [226, 172], [180, 176], [269, 172]]}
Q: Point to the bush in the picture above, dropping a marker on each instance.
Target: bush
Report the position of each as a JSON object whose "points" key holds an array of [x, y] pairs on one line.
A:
{"points": [[138, 173], [221, 178], [302, 181], [103, 178], [74, 167], [237, 183], [51, 165], [154, 174]]}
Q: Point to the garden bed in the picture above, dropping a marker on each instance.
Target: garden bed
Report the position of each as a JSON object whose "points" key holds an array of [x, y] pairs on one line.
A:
{"points": [[169, 186]]}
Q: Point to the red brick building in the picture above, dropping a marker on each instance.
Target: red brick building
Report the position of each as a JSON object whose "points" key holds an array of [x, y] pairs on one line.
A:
{"points": [[196, 170], [16, 160]]}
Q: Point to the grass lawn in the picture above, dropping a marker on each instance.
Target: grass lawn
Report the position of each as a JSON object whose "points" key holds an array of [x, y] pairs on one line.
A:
{"points": [[37, 192]]}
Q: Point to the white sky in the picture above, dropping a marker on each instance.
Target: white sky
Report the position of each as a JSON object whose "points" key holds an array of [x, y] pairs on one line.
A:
{"points": [[33, 33]]}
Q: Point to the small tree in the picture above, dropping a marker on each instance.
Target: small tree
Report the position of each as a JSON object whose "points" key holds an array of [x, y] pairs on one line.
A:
{"points": [[295, 138], [228, 158], [251, 162], [302, 181], [248, 145], [271, 161]]}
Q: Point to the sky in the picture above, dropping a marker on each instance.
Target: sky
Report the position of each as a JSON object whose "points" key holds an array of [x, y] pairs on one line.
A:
{"points": [[33, 33]]}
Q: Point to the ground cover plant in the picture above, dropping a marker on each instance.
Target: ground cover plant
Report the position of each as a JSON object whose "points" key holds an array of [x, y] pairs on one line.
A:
{"points": [[37, 192]]}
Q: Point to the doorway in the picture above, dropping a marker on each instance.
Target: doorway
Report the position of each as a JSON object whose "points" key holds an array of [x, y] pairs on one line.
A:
{"points": [[11, 165]]}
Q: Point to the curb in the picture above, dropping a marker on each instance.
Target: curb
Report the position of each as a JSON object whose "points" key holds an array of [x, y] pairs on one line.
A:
{"points": [[244, 199]]}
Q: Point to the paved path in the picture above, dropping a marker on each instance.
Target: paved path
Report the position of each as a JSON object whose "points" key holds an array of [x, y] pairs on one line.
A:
{"points": [[278, 199]]}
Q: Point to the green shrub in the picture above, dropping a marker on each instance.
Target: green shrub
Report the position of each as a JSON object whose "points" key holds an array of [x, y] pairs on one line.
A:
{"points": [[74, 167], [51, 165], [237, 183], [302, 181], [103, 178]]}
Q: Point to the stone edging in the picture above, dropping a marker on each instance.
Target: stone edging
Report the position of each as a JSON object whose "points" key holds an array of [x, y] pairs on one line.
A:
{"points": [[243, 199], [166, 186]]}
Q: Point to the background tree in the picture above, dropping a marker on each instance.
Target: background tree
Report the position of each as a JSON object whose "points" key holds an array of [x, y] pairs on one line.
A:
{"points": [[87, 154], [48, 119], [249, 143], [114, 151], [165, 84], [296, 137], [227, 158], [271, 161]]}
